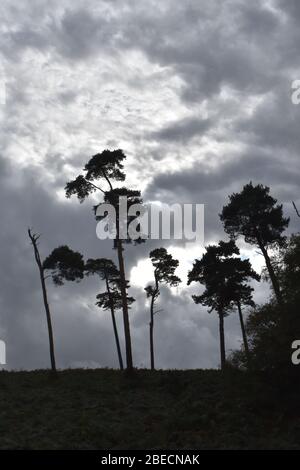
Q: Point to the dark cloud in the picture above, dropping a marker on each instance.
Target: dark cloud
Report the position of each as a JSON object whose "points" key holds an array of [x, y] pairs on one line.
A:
{"points": [[256, 20], [200, 185], [274, 125], [290, 7], [82, 34], [183, 130]]}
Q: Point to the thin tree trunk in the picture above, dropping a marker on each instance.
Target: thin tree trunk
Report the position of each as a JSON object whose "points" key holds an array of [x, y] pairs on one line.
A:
{"points": [[129, 362], [119, 244], [222, 340], [112, 310], [155, 292], [49, 322], [245, 340], [272, 274], [33, 239], [151, 326]]}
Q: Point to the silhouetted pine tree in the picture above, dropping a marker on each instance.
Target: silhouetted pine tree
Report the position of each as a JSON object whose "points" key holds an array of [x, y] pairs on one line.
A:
{"points": [[164, 268], [107, 167], [64, 264], [256, 216], [237, 273], [224, 276]]}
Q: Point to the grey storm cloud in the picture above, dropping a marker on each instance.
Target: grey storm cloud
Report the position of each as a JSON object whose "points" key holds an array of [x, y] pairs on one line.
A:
{"points": [[197, 93], [290, 7], [80, 34], [183, 130]]}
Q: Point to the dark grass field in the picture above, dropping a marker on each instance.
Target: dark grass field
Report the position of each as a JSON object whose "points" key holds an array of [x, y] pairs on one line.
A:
{"points": [[106, 409]]}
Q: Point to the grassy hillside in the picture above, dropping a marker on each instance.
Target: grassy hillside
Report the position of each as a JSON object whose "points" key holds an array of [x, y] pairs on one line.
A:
{"points": [[105, 409]]}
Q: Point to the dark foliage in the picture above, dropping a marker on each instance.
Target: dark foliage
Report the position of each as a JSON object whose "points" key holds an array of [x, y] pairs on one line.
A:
{"points": [[271, 327], [64, 265], [254, 214]]}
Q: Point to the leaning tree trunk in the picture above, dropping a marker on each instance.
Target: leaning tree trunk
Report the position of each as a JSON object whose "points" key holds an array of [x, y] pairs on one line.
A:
{"points": [[271, 272], [49, 322], [129, 362], [33, 239], [112, 311], [222, 340], [245, 340]]}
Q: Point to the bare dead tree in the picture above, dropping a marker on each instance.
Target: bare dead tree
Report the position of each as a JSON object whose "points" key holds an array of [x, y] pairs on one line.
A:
{"points": [[34, 240]]}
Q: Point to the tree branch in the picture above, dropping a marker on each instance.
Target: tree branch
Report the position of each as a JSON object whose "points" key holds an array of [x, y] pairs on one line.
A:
{"points": [[107, 179], [296, 209], [96, 187]]}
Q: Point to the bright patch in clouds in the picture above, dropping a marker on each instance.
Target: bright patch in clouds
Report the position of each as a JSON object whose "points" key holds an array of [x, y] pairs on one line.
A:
{"points": [[143, 273]]}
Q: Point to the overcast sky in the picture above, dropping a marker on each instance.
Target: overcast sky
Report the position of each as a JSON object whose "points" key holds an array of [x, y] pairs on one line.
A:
{"points": [[197, 94]]}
